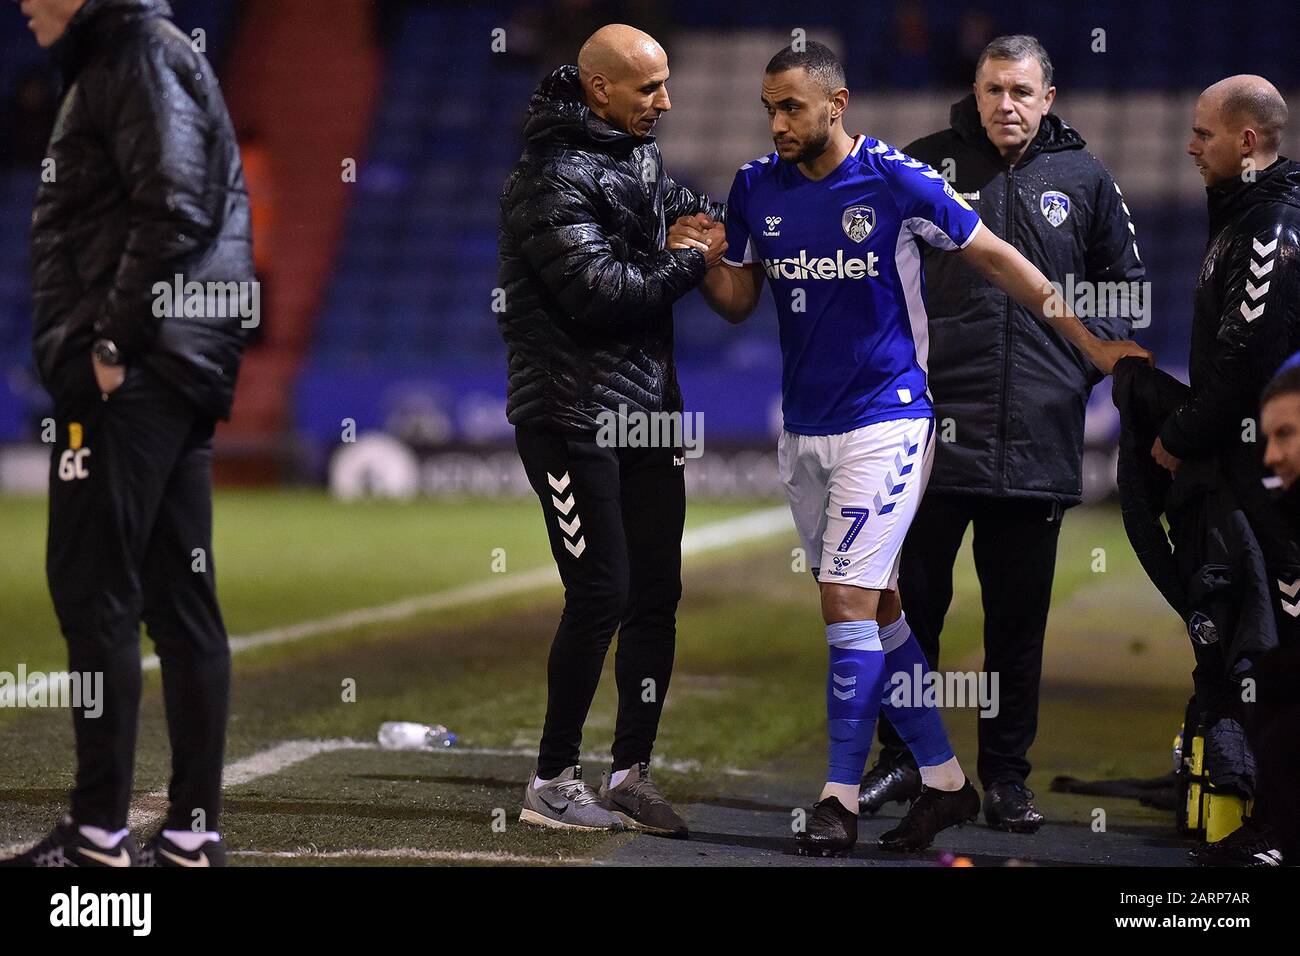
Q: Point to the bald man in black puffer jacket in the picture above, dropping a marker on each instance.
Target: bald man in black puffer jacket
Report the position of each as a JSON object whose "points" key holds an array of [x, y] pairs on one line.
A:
{"points": [[590, 268], [589, 286]]}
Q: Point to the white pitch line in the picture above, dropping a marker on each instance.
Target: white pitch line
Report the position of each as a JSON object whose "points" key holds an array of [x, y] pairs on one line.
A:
{"points": [[281, 756], [710, 537], [674, 766], [287, 753], [290, 752], [719, 534], [410, 853], [264, 763]]}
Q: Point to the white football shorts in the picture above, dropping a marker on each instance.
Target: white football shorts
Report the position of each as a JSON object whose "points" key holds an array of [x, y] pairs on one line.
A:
{"points": [[853, 497]]}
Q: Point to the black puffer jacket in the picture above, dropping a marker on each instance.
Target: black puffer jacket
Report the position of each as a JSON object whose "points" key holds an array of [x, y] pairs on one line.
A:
{"points": [[1245, 322], [148, 185], [1014, 389], [588, 284]]}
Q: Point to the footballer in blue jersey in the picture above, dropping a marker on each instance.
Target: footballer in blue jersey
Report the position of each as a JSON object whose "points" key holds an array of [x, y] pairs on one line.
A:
{"points": [[841, 255], [832, 222]]}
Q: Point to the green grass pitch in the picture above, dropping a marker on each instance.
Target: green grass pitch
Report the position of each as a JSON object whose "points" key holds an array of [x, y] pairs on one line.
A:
{"points": [[747, 694]]}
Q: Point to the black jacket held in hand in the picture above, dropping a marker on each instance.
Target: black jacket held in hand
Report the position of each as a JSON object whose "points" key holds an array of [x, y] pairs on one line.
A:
{"points": [[588, 284], [1014, 389], [1246, 316], [147, 186], [1209, 566]]}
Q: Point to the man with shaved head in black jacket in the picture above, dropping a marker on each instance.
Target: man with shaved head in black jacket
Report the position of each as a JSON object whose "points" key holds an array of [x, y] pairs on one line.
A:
{"points": [[591, 264], [1245, 322]]}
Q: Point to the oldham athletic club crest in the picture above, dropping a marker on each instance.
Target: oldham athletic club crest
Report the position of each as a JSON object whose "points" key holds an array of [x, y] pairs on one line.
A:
{"points": [[858, 221], [1055, 206]]}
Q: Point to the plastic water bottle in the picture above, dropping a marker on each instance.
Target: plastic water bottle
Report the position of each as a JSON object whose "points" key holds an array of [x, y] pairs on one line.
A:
{"points": [[407, 735]]}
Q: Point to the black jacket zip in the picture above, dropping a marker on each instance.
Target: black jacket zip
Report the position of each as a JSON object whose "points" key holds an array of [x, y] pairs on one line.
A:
{"points": [[999, 479]]}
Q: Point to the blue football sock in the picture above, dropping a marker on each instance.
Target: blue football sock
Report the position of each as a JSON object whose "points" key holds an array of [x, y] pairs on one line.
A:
{"points": [[853, 690], [921, 727]]}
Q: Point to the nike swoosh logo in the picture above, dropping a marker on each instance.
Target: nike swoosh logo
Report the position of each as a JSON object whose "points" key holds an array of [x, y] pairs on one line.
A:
{"points": [[558, 811], [186, 861], [120, 858]]}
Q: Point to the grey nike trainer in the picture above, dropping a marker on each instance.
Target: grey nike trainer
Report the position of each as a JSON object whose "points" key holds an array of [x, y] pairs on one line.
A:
{"points": [[640, 805], [566, 803]]}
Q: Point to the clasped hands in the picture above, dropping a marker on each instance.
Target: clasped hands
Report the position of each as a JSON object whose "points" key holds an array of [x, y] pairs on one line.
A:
{"points": [[701, 233]]}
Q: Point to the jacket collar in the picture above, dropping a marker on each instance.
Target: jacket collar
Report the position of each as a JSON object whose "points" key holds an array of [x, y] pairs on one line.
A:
{"points": [[96, 20], [1279, 182], [1053, 133], [558, 115]]}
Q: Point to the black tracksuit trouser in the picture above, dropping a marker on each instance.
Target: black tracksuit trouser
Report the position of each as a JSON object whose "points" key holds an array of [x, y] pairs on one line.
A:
{"points": [[130, 539], [1015, 559], [614, 517]]}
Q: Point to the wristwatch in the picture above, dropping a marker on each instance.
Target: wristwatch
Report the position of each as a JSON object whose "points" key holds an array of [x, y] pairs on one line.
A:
{"points": [[106, 352]]}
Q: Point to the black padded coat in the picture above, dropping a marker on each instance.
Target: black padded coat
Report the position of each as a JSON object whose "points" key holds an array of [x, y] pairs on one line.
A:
{"points": [[588, 285], [143, 184]]}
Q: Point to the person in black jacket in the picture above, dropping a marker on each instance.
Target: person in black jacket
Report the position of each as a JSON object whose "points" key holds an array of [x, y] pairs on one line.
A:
{"points": [[1278, 723], [1246, 317], [143, 294], [1245, 322], [1198, 548], [590, 272], [1009, 396]]}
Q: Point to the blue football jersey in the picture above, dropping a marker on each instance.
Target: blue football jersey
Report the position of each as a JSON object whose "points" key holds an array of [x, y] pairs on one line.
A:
{"points": [[842, 257]]}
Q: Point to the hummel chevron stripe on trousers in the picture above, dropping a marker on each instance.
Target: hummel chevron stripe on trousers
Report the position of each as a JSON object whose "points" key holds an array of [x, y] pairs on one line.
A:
{"points": [[614, 517]]}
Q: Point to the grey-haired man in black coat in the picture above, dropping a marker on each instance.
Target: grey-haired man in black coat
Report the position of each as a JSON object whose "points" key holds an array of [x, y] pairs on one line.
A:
{"points": [[1009, 397]]}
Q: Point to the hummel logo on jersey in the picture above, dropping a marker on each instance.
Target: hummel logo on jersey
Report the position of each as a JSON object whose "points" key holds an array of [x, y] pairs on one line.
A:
{"points": [[822, 268], [773, 222]]}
